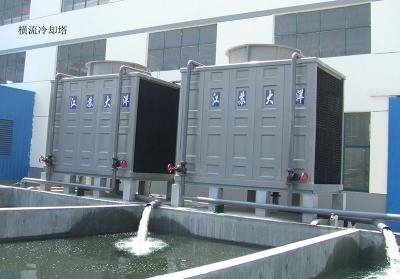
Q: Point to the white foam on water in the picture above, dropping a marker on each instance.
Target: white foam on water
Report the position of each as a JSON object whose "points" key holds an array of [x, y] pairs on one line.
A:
{"points": [[141, 245], [137, 247]]}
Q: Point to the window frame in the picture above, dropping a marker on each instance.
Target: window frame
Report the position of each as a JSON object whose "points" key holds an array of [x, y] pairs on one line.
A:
{"points": [[15, 12], [357, 146], [187, 41], [65, 59], [72, 6], [16, 67], [286, 30]]}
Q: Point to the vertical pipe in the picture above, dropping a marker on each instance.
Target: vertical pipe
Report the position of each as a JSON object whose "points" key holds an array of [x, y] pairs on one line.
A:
{"points": [[292, 110], [121, 73], [116, 132], [51, 123], [185, 115]]}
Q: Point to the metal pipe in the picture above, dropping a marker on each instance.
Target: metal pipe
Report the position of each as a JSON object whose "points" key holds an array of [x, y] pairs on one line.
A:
{"points": [[121, 73], [185, 113], [65, 184], [150, 201], [51, 123], [292, 111], [322, 211], [181, 156], [381, 226]]}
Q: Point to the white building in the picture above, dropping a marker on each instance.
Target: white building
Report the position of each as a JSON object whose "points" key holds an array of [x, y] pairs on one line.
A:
{"points": [[359, 38]]}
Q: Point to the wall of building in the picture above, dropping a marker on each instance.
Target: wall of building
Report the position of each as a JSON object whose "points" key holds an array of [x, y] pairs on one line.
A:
{"points": [[125, 24]]}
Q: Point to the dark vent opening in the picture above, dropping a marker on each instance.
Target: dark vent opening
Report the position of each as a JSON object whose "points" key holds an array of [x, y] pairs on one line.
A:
{"points": [[156, 127], [328, 155], [6, 135]]}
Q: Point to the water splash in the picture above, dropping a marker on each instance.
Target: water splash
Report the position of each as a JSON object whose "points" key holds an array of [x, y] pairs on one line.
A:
{"points": [[141, 245], [392, 253]]}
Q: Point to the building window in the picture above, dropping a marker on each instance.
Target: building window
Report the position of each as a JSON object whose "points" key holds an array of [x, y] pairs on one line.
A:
{"points": [[6, 134], [12, 11], [171, 50], [12, 67], [327, 33], [71, 59], [356, 151], [68, 5]]}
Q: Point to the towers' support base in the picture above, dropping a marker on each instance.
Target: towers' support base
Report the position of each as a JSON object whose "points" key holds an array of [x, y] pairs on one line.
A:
{"points": [[42, 186], [177, 191], [216, 192], [308, 200], [130, 187], [99, 181], [263, 197]]}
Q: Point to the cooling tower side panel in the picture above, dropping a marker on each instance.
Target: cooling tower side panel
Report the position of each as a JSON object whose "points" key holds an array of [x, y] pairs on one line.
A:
{"points": [[156, 127], [84, 125], [303, 126], [214, 108], [328, 148], [269, 114]]}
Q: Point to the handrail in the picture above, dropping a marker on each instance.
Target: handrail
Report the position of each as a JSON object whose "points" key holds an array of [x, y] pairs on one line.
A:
{"points": [[65, 184], [311, 210]]}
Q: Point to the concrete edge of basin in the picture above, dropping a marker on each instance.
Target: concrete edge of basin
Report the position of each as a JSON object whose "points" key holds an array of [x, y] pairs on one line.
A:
{"points": [[70, 221], [17, 196], [303, 259]]}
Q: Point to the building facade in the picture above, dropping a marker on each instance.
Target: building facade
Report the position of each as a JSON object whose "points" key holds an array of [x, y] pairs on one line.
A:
{"points": [[356, 37]]}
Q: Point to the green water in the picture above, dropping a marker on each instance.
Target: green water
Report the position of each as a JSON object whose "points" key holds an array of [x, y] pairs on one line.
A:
{"points": [[97, 257]]}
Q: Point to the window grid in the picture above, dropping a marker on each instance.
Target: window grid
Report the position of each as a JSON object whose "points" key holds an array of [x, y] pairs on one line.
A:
{"points": [[12, 67], [12, 11], [69, 5], [170, 50], [72, 59], [356, 152], [327, 33]]}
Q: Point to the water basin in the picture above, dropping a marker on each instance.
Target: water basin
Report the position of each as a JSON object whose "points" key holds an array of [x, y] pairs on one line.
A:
{"points": [[98, 257]]}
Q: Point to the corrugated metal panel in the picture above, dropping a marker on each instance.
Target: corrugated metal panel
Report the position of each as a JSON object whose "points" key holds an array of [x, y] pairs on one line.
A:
{"points": [[16, 111]]}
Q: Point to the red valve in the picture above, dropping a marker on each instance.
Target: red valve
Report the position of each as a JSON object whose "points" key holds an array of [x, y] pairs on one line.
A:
{"points": [[123, 164], [304, 177], [170, 168]]}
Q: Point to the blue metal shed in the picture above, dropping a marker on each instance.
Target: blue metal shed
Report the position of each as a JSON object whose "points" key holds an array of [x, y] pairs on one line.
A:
{"points": [[393, 191], [16, 114]]}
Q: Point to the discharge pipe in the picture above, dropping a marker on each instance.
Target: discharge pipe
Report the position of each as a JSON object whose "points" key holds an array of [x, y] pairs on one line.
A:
{"points": [[381, 226], [311, 210], [115, 160], [150, 201]]}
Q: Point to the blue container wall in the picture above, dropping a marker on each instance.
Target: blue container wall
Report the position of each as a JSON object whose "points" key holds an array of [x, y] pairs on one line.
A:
{"points": [[17, 105], [393, 193]]}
